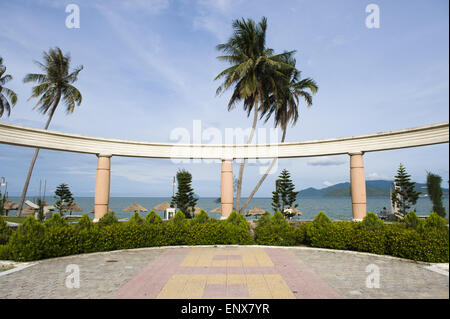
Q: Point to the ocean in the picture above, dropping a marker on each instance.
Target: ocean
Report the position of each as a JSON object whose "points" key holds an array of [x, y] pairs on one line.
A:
{"points": [[334, 207]]}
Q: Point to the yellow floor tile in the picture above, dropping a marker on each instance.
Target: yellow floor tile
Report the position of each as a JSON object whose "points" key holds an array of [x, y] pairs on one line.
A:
{"points": [[234, 263], [278, 287], [218, 279], [218, 263], [235, 279]]}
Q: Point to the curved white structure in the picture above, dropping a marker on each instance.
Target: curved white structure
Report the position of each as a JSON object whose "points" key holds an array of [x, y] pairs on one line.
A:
{"points": [[31, 137], [355, 146]]}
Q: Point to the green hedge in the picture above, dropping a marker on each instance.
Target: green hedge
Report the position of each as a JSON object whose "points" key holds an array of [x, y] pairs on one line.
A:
{"points": [[412, 239], [54, 238]]}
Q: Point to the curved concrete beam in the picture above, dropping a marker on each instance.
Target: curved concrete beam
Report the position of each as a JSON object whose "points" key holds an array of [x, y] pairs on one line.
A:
{"points": [[412, 137]]}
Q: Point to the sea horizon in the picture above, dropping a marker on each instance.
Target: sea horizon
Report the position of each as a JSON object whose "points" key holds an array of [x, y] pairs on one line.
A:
{"points": [[334, 207]]}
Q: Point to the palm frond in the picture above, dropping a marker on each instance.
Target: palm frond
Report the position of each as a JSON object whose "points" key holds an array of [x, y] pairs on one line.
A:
{"points": [[10, 94]]}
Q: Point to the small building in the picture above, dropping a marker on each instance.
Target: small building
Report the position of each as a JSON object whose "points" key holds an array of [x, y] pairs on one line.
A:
{"points": [[169, 213]]}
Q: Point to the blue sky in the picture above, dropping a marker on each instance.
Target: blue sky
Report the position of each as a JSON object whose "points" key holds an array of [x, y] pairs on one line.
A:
{"points": [[149, 67]]}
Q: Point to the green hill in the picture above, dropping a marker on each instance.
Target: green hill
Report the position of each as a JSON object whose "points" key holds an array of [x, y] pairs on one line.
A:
{"points": [[373, 189]]}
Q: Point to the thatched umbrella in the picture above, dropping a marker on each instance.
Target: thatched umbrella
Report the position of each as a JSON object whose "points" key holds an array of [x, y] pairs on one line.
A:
{"points": [[29, 211], [73, 207], [9, 205], [295, 211], [163, 206], [255, 211], [135, 208], [197, 210], [217, 210]]}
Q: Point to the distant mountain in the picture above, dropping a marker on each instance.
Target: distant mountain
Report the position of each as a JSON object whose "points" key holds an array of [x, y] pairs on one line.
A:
{"points": [[373, 188]]}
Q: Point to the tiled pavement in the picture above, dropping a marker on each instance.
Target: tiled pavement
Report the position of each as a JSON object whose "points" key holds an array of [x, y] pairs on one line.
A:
{"points": [[225, 272], [236, 272]]}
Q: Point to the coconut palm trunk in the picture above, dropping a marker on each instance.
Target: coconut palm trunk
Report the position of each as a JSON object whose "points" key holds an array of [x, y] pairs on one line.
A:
{"points": [[261, 180], [241, 168], [33, 160]]}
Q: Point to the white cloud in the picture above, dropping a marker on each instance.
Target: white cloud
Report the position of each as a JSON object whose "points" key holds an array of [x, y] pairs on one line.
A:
{"points": [[213, 25], [326, 161], [149, 6], [376, 176], [222, 6], [215, 17]]}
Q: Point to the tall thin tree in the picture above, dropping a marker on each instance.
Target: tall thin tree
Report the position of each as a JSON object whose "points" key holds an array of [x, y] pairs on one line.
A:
{"points": [[54, 85], [404, 194], [435, 193], [253, 66]]}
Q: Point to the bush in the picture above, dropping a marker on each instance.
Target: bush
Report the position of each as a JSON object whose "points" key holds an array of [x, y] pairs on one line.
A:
{"points": [[237, 230], [200, 218], [176, 229], [84, 223], [319, 227], [5, 231], [433, 222], [275, 231], [56, 221], [371, 222], [54, 238], [300, 234], [411, 221], [108, 219], [27, 242], [153, 218], [136, 219], [264, 219]]}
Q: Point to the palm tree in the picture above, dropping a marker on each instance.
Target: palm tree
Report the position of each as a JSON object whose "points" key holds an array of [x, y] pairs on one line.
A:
{"points": [[6, 93], [283, 104], [252, 71], [54, 85]]}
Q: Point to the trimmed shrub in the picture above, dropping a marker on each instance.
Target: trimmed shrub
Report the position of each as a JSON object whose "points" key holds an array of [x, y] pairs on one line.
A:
{"points": [[275, 231], [60, 240], [211, 232], [56, 221], [300, 234], [432, 222], [411, 221], [5, 231], [153, 218], [136, 219], [200, 218], [237, 230], [337, 235], [27, 242], [371, 222], [316, 230], [176, 229], [369, 235], [108, 219], [4, 252], [264, 219], [84, 223]]}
